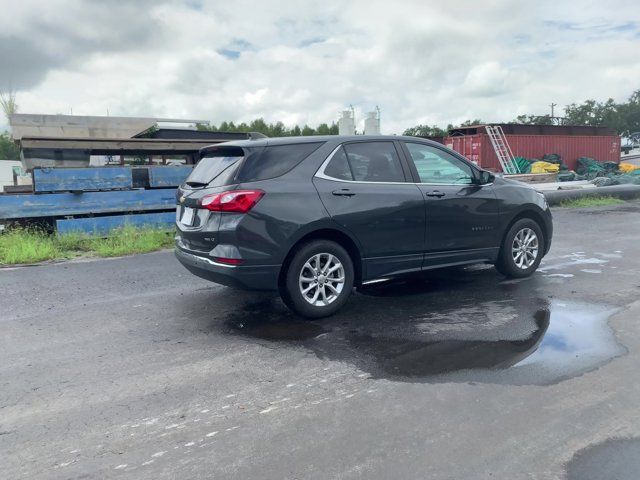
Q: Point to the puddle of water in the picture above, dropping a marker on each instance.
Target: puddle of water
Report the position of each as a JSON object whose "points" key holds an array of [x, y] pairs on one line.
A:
{"points": [[411, 358], [508, 342], [617, 459], [615, 255], [567, 340], [578, 339], [574, 260]]}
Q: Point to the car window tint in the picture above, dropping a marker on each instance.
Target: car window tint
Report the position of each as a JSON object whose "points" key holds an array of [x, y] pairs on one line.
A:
{"points": [[273, 161], [214, 165], [374, 162], [338, 167], [437, 166]]}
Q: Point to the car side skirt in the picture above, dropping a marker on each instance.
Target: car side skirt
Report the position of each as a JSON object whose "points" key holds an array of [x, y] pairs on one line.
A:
{"points": [[384, 267]]}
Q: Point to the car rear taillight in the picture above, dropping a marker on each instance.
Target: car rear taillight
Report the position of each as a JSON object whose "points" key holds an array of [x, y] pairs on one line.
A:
{"points": [[240, 201]]}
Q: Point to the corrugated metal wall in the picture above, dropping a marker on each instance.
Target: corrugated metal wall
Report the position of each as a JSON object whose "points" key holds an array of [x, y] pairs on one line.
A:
{"points": [[478, 149]]}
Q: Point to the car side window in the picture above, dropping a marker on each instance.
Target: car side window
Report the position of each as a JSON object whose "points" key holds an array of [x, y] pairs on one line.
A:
{"points": [[374, 162], [437, 166], [338, 166]]}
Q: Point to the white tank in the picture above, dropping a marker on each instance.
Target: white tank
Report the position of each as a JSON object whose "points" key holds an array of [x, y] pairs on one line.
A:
{"points": [[346, 123], [372, 124]]}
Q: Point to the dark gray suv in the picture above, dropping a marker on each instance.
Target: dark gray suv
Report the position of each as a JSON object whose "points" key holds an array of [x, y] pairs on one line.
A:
{"points": [[314, 217]]}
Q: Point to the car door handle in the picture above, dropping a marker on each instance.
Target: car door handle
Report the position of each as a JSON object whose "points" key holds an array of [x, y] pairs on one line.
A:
{"points": [[343, 192], [436, 193]]}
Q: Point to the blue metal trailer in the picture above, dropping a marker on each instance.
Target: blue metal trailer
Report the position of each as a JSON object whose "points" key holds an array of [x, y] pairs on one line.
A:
{"points": [[98, 199]]}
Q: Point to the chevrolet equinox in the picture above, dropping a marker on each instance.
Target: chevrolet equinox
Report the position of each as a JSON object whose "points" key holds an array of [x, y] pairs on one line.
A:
{"points": [[314, 217]]}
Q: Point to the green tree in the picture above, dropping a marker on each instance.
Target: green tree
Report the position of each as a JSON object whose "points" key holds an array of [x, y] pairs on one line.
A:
{"points": [[534, 120], [630, 114], [259, 125], [323, 129], [425, 131], [468, 123], [8, 149], [278, 130], [624, 117]]}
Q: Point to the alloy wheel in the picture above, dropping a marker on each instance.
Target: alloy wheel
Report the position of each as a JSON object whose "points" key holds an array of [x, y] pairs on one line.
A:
{"points": [[321, 279], [524, 249]]}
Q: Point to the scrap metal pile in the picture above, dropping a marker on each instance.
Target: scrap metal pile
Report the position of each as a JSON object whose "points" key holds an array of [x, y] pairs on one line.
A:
{"points": [[601, 174]]}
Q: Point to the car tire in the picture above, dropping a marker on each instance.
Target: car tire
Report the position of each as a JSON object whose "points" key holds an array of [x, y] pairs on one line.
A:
{"points": [[522, 249], [318, 280]]}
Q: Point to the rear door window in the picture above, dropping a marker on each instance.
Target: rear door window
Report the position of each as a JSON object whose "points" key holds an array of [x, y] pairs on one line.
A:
{"points": [[273, 161], [338, 166], [374, 162]]}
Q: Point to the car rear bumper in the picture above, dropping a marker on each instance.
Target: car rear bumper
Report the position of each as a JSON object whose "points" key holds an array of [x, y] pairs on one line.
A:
{"points": [[246, 277]]}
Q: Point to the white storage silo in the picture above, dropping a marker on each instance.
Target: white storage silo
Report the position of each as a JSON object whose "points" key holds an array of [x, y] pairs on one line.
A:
{"points": [[372, 123], [347, 123]]}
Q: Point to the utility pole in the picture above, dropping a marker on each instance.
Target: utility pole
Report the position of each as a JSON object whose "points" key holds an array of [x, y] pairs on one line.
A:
{"points": [[555, 120]]}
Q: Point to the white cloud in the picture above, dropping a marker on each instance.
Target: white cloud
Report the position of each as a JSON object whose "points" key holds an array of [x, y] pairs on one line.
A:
{"points": [[487, 80], [303, 62]]}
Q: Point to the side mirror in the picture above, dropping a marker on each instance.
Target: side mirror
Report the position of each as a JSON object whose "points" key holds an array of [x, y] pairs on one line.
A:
{"points": [[485, 177]]}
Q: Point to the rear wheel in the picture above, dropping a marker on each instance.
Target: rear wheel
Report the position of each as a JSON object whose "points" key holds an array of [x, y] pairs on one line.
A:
{"points": [[521, 250], [318, 280]]}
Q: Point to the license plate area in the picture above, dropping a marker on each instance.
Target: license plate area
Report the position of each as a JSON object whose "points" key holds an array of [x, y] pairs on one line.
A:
{"points": [[188, 216]]}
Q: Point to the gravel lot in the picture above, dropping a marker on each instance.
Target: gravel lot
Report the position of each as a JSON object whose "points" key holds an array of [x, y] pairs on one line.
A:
{"points": [[134, 368]]}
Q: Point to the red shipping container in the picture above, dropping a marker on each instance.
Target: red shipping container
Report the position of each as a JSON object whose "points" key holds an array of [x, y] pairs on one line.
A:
{"points": [[477, 148]]}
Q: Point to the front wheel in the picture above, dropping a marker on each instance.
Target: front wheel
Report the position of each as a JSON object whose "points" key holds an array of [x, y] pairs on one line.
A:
{"points": [[318, 280], [521, 250]]}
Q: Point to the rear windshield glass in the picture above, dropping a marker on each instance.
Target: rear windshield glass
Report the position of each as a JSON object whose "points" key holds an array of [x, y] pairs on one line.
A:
{"points": [[217, 166], [274, 161]]}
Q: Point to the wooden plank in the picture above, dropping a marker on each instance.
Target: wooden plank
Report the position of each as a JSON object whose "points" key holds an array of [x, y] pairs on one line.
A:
{"points": [[103, 225], [158, 146], [168, 176], [61, 204], [533, 177], [81, 179], [18, 188]]}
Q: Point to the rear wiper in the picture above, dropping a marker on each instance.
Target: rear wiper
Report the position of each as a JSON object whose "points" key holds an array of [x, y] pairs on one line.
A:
{"points": [[196, 184]]}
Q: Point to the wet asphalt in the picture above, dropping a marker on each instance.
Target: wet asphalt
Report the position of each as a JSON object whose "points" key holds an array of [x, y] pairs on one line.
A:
{"points": [[134, 368]]}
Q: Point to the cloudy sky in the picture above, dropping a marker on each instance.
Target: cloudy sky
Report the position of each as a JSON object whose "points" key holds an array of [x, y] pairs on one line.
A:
{"points": [[434, 62]]}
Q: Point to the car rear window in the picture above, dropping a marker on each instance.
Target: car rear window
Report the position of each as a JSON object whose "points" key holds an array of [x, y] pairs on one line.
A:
{"points": [[273, 161], [216, 168]]}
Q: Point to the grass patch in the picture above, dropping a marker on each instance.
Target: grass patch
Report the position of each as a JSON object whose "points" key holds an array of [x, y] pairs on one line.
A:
{"points": [[591, 202], [20, 245], [27, 246], [131, 240]]}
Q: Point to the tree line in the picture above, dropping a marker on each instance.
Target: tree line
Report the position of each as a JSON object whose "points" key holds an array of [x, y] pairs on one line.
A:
{"points": [[277, 129], [623, 117]]}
